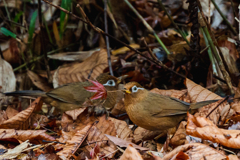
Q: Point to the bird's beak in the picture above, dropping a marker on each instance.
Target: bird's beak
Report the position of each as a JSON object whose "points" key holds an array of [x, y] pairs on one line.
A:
{"points": [[126, 91]]}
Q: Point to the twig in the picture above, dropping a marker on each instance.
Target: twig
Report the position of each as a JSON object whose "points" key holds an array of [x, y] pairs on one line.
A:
{"points": [[43, 49], [147, 26], [217, 106], [119, 41], [224, 18], [170, 18], [107, 39]]}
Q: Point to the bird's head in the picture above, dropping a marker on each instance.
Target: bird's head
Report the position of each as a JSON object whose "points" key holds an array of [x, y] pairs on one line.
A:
{"points": [[134, 90], [109, 82]]}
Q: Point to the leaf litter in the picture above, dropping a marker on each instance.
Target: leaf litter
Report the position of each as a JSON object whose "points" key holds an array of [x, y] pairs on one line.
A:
{"points": [[34, 129]]}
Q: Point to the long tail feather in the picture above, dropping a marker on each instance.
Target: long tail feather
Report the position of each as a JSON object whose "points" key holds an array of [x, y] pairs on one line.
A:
{"points": [[26, 93]]}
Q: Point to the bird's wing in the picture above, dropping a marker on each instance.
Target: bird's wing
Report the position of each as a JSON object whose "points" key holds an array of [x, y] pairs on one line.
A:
{"points": [[71, 93], [165, 106]]}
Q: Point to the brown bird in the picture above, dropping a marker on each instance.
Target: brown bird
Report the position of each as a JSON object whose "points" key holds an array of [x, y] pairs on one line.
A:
{"points": [[153, 111], [73, 95]]}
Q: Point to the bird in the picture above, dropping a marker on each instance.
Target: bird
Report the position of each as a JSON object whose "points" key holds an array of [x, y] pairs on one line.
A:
{"points": [[153, 111], [73, 95]]}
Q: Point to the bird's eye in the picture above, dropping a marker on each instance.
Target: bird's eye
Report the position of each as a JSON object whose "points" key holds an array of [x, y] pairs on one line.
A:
{"points": [[110, 83], [134, 89]]}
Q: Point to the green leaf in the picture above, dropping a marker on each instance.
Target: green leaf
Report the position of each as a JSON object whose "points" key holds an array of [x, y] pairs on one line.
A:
{"points": [[18, 16], [66, 4], [32, 25], [6, 32]]}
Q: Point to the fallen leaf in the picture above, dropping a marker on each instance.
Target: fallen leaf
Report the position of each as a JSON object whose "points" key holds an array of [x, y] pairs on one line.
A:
{"points": [[97, 134], [196, 151], [131, 154], [124, 143], [79, 72], [39, 81], [179, 137], [21, 120], [23, 135], [13, 153], [197, 94], [204, 128], [7, 77]]}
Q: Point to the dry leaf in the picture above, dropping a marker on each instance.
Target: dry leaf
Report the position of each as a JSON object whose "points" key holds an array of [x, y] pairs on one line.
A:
{"points": [[7, 77], [73, 134], [73, 56], [39, 81], [13, 153], [204, 128], [23, 135], [197, 94], [179, 137], [196, 151], [141, 134], [11, 112], [123, 50], [75, 141], [96, 134], [75, 113], [122, 129], [78, 72], [22, 119], [131, 154], [124, 143]]}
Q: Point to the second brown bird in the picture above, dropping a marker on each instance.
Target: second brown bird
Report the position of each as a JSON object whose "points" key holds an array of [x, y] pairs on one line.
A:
{"points": [[153, 111]]}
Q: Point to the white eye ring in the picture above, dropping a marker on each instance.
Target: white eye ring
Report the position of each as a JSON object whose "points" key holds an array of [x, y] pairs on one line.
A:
{"points": [[135, 89], [110, 83]]}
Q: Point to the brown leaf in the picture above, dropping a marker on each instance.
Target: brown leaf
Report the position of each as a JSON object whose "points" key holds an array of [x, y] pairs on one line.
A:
{"points": [[179, 137], [131, 154], [196, 151], [75, 113], [74, 131], [78, 72], [23, 135], [97, 135], [75, 141], [141, 134], [182, 156], [7, 77], [122, 129], [39, 81], [22, 119], [204, 128], [11, 112], [124, 143], [123, 50], [197, 94]]}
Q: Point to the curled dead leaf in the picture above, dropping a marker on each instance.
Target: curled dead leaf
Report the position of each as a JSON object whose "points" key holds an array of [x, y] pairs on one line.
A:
{"points": [[196, 151], [204, 128]]}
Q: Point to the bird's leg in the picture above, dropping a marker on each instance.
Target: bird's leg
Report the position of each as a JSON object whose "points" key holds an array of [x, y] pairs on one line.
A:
{"points": [[134, 127]]}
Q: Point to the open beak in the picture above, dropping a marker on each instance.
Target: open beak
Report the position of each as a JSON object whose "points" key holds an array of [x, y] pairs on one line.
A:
{"points": [[126, 91]]}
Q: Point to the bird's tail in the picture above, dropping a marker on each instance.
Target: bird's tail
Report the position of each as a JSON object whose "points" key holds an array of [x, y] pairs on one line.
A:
{"points": [[197, 105], [34, 93]]}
